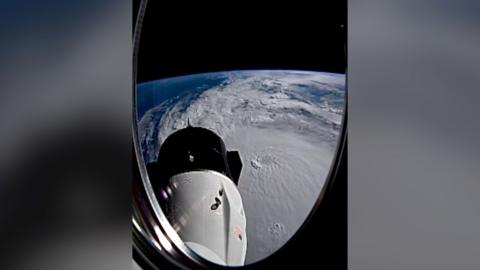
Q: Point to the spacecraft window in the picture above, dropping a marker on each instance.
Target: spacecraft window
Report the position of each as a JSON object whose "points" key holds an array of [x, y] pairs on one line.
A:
{"points": [[233, 161]]}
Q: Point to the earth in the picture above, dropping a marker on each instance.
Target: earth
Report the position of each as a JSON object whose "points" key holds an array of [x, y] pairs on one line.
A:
{"points": [[285, 125]]}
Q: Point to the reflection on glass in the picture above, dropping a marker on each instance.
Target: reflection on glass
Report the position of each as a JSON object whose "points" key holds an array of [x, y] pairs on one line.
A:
{"points": [[242, 155]]}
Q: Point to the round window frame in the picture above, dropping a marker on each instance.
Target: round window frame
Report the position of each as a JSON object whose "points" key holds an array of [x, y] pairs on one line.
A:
{"points": [[156, 244]]}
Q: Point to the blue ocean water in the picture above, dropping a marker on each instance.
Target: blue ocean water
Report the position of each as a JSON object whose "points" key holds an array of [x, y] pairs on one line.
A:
{"points": [[152, 93]]}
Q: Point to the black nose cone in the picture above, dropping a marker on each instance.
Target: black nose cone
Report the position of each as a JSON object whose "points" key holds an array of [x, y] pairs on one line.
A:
{"points": [[194, 148]]}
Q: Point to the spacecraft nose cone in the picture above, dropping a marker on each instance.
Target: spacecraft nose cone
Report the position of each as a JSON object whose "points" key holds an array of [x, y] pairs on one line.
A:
{"points": [[194, 148]]}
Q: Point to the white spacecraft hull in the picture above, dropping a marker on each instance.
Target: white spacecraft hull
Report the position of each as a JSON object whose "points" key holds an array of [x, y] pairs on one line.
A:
{"points": [[206, 209]]}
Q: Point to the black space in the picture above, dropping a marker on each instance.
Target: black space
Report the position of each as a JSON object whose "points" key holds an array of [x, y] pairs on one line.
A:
{"points": [[186, 38]]}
